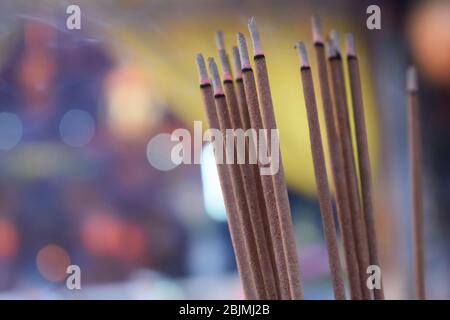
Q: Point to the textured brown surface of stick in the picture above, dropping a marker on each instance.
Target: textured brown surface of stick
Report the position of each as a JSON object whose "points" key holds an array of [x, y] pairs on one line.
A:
{"points": [[320, 172], [364, 163], [237, 184], [342, 117], [339, 179], [236, 232], [279, 183], [415, 158], [238, 188], [264, 245], [268, 193]]}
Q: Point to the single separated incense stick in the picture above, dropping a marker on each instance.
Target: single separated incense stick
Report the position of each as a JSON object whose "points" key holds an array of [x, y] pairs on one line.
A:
{"points": [[243, 262], [415, 158], [237, 183], [363, 154], [343, 125], [279, 183], [256, 212], [320, 172], [276, 231], [337, 165]]}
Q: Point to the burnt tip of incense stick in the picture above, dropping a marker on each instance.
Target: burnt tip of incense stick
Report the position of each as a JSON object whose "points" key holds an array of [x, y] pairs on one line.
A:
{"points": [[350, 45], [225, 63], [411, 79], [316, 30], [220, 43], [243, 52], [201, 68], [237, 63], [303, 55], [215, 77], [254, 34], [329, 50], [334, 44]]}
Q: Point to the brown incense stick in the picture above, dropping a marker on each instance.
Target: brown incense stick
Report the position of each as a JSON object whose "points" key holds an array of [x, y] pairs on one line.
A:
{"points": [[337, 166], [236, 179], [240, 90], [363, 154], [267, 185], [320, 172], [279, 183], [236, 231], [343, 125], [415, 158], [256, 212]]}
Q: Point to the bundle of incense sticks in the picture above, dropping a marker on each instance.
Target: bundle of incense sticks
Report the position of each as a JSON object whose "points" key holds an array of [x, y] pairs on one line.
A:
{"points": [[257, 204]]}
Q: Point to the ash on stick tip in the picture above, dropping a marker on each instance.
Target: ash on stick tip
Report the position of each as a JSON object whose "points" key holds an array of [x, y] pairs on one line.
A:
{"points": [[334, 37], [254, 34], [316, 29], [220, 43], [201, 67], [225, 63], [303, 55], [329, 48], [237, 63], [215, 77], [350, 45], [411, 79], [243, 52]]}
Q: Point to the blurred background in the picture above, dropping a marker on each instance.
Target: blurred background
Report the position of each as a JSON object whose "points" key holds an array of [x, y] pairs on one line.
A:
{"points": [[83, 182]]}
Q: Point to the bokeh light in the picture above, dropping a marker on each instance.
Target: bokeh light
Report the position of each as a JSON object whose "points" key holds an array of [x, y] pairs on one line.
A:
{"points": [[10, 130], [212, 192], [77, 128], [429, 26], [8, 239], [159, 151], [52, 262]]}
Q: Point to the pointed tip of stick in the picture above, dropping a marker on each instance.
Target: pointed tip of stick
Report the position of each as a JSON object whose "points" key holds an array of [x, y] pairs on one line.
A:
{"points": [[350, 45], [411, 79], [201, 67], [243, 51], [237, 63], [254, 34], [303, 55], [334, 42], [316, 29], [215, 77]]}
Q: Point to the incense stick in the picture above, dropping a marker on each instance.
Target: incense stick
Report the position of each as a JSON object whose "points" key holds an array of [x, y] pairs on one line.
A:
{"points": [[237, 183], [320, 172], [343, 121], [266, 181], [236, 231], [256, 211], [363, 154], [240, 90], [415, 158], [279, 184], [337, 166]]}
